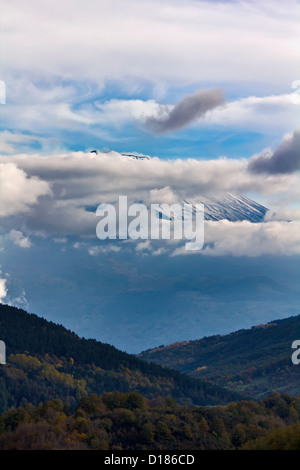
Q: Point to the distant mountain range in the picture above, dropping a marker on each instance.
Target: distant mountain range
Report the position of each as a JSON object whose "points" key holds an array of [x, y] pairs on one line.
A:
{"points": [[254, 362], [47, 361]]}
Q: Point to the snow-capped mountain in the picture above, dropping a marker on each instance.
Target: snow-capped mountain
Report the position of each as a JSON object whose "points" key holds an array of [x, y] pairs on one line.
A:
{"points": [[231, 207]]}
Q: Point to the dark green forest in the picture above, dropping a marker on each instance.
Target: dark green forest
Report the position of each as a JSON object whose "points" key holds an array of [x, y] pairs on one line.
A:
{"points": [[45, 361], [253, 362], [60, 391], [128, 421]]}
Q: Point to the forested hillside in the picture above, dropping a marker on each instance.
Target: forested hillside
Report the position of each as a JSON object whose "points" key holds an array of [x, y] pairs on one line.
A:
{"points": [[118, 421], [45, 361], [253, 362], [59, 391]]}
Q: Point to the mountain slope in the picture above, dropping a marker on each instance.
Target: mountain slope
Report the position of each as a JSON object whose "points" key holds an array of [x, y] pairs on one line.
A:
{"points": [[234, 208], [46, 361], [231, 207], [254, 362]]}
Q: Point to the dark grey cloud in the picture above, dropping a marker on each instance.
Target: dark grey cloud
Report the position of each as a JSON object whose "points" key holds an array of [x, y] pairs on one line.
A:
{"points": [[190, 108], [285, 159]]}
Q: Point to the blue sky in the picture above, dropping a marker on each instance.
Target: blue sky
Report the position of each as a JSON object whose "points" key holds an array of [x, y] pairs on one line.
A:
{"points": [[210, 91], [80, 76]]}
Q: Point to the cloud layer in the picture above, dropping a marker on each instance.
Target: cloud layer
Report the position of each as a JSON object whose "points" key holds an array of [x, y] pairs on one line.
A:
{"points": [[50, 117], [188, 42], [58, 195]]}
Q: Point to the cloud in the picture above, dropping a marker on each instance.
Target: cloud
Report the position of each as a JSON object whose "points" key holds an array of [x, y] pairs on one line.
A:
{"points": [[96, 250], [224, 238], [19, 239], [285, 159], [247, 239], [3, 290], [189, 109], [267, 114], [97, 51], [283, 213], [46, 116], [188, 42], [11, 141], [249, 112], [80, 178], [163, 196], [60, 240], [18, 190], [80, 181], [20, 300], [143, 245]]}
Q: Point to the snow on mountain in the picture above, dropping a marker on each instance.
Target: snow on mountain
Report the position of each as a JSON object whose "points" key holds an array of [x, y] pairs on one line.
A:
{"points": [[231, 207]]}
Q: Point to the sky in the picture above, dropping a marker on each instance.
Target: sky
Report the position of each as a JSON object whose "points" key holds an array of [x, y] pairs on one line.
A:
{"points": [[210, 91]]}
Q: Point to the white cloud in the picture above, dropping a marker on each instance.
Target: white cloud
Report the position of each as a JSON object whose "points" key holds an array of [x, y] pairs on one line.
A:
{"points": [[84, 179], [144, 49], [163, 196], [265, 114], [3, 290], [36, 111], [269, 114], [20, 300], [120, 111], [96, 250], [143, 245], [77, 245], [187, 42], [283, 213], [159, 251], [18, 190], [224, 238], [274, 113], [19, 239], [60, 240], [11, 141], [80, 179]]}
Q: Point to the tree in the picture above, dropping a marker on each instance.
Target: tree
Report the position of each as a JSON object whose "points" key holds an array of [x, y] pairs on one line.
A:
{"points": [[163, 432], [203, 426], [238, 436]]}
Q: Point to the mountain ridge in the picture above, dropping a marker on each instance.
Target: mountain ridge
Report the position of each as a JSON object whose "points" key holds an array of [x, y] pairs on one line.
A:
{"points": [[45, 361], [232, 207], [253, 361]]}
